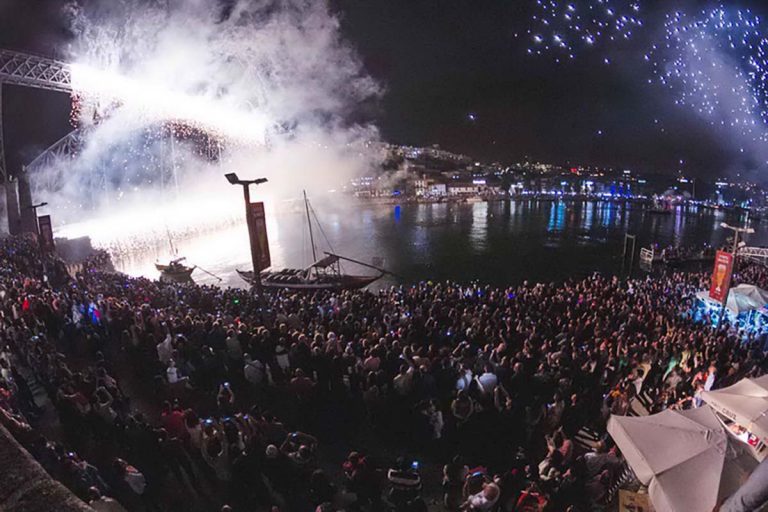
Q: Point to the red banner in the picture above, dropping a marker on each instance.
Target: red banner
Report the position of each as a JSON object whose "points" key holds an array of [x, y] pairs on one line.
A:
{"points": [[257, 231], [46, 233], [721, 276]]}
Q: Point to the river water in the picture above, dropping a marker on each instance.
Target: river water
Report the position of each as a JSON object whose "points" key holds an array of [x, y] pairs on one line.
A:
{"points": [[495, 242]]}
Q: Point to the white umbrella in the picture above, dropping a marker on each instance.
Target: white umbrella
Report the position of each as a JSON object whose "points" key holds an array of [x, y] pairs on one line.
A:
{"points": [[685, 458], [745, 297], [745, 403]]}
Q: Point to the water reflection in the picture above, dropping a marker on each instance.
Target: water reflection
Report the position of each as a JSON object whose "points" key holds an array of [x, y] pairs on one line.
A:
{"points": [[479, 232], [556, 216], [587, 215], [496, 242]]}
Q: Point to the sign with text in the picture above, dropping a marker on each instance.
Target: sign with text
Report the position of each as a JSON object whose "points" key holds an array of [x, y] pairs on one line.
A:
{"points": [[721, 276], [257, 232], [46, 233]]}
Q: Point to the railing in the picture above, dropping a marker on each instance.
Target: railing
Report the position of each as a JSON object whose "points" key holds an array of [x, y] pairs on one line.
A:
{"points": [[758, 254], [646, 256]]}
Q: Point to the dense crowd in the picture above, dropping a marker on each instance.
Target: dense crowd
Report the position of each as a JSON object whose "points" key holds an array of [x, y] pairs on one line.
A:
{"points": [[239, 403]]}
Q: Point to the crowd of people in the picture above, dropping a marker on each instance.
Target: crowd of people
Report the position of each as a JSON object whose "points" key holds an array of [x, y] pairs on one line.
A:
{"points": [[435, 395]]}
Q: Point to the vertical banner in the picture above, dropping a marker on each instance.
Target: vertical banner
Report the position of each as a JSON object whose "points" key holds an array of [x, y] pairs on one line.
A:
{"points": [[721, 276], [257, 231], [46, 233]]}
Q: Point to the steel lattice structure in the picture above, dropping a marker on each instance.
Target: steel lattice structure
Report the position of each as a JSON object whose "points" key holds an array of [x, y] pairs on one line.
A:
{"points": [[759, 254], [30, 71], [33, 71], [65, 146], [68, 146]]}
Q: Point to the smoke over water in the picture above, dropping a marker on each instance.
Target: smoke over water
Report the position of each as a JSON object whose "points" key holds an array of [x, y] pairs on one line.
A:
{"points": [[170, 95]]}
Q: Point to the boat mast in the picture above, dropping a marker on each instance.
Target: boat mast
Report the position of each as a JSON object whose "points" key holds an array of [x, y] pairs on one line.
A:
{"points": [[174, 252], [309, 223]]}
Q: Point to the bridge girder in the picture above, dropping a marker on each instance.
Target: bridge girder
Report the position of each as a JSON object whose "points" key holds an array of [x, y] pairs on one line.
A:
{"points": [[26, 70], [68, 145], [32, 71], [754, 253]]}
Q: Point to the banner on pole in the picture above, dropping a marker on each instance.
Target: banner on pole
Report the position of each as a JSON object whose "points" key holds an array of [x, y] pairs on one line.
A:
{"points": [[257, 231], [46, 233], [721, 277]]}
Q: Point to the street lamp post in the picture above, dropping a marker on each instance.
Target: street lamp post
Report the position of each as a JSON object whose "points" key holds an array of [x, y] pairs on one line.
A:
{"points": [[234, 180], [736, 231], [34, 208]]}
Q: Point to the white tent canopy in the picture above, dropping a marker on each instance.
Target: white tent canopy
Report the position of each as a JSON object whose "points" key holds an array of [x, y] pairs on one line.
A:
{"points": [[686, 458], [741, 298], [745, 403]]}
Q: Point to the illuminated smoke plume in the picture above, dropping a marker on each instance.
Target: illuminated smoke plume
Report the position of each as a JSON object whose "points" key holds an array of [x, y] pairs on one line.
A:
{"points": [[264, 88]]}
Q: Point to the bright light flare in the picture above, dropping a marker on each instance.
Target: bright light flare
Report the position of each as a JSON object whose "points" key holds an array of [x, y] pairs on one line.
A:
{"points": [[154, 102]]}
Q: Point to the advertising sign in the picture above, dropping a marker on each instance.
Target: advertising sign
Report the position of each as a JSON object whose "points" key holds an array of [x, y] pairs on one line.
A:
{"points": [[46, 233], [721, 276], [257, 231]]}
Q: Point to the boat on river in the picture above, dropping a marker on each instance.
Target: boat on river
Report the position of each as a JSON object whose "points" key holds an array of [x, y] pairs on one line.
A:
{"points": [[324, 273], [175, 271]]}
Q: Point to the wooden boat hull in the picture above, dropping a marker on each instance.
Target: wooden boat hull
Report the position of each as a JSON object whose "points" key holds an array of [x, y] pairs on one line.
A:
{"points": [[175, 274], [288, 280]]}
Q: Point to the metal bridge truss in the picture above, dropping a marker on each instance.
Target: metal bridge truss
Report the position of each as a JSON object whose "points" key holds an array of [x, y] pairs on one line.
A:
{"points": [[33, 71], [30, 71], [757, 254], [66, 147]]}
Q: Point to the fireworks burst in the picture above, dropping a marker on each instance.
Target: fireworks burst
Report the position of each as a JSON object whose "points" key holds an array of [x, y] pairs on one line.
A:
{"points": [[154, 102], [715, 62], [565, 28]]}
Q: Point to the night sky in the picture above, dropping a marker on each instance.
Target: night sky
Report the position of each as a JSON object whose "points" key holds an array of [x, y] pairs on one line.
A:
{"points": [[439, 62]]}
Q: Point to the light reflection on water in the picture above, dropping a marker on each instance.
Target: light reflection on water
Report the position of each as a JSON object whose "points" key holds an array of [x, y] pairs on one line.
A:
{"points": [[498, 242]]}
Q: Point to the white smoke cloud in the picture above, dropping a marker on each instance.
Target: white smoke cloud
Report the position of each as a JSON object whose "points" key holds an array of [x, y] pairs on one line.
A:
{"points": [[279, 69]]}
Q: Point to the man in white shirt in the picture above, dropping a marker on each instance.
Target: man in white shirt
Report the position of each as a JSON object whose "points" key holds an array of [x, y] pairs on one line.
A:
{"points": [[165, 349], [253, 370], [487, 380], [172, 373], [485, 499], [465, 378], [710, 378]]}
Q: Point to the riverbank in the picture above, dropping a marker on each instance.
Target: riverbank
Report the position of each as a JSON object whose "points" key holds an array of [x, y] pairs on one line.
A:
{"points": [[465, 198]]}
